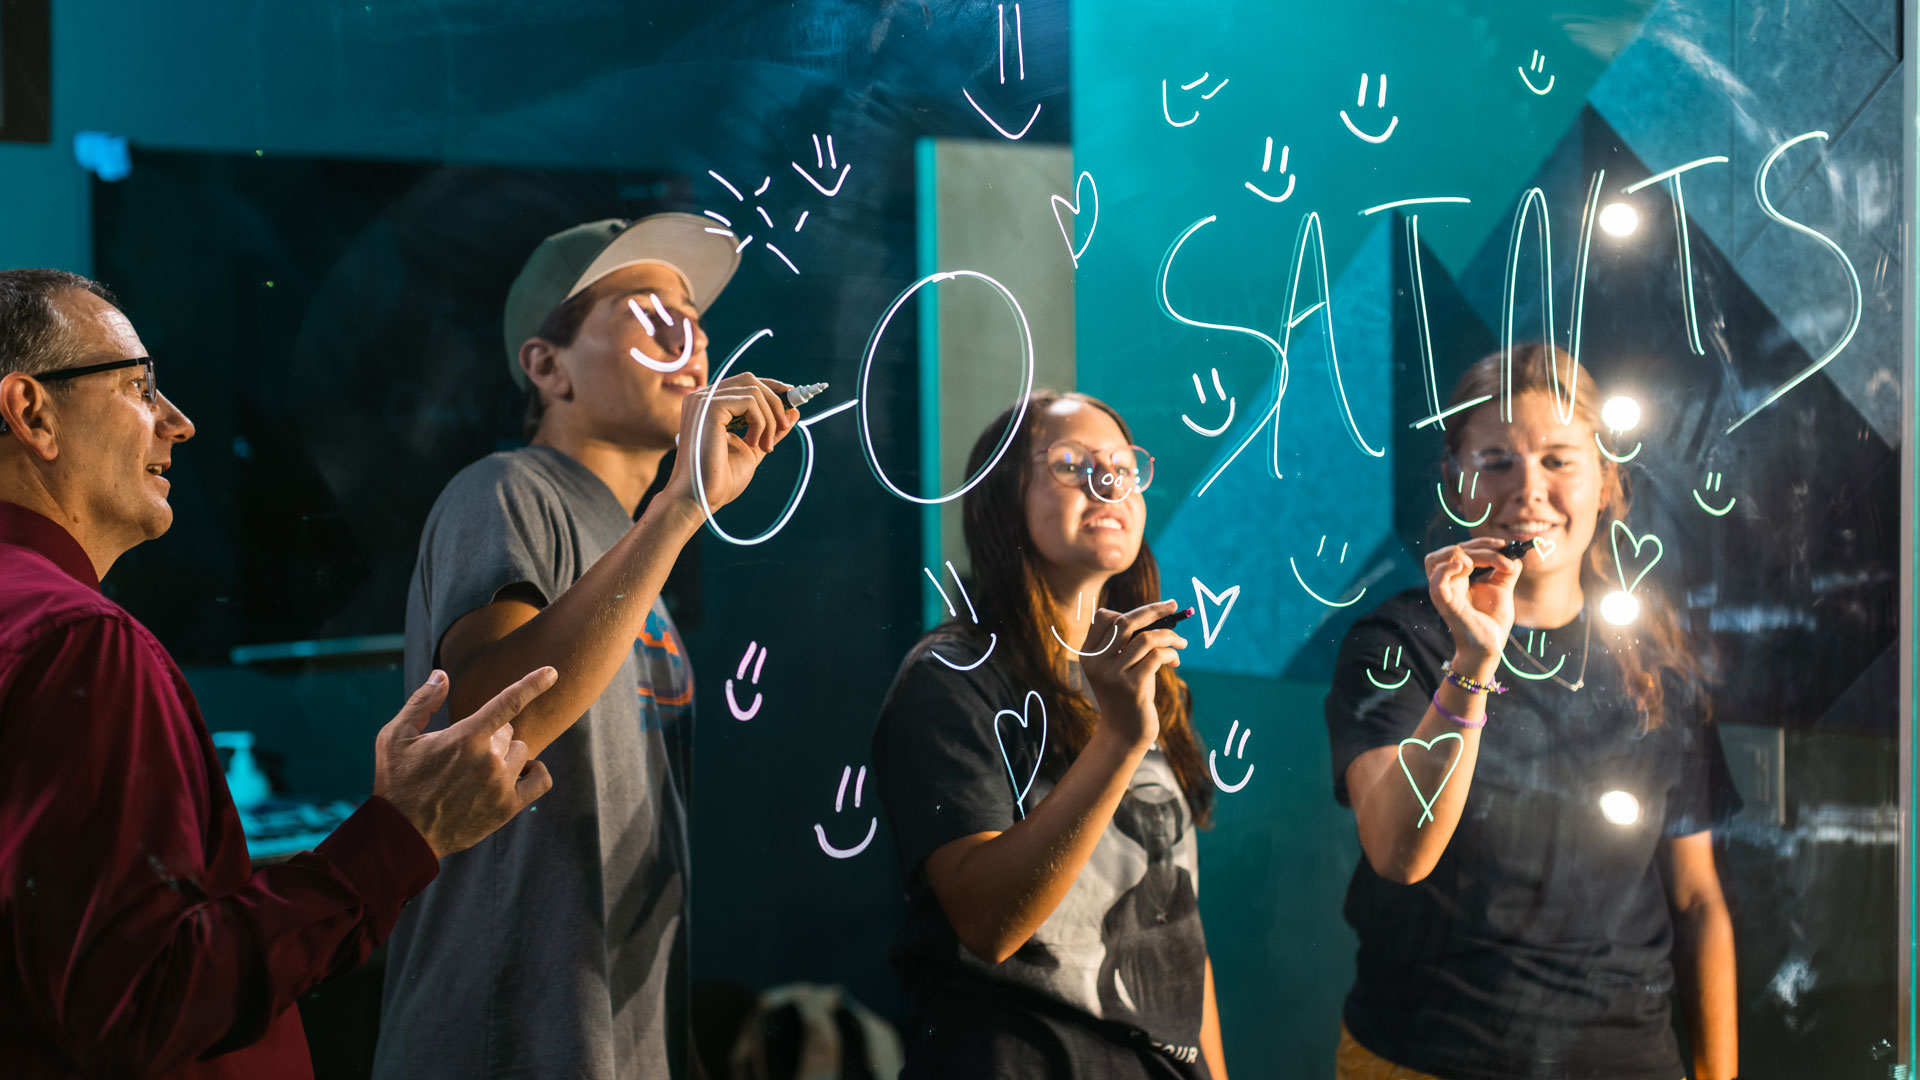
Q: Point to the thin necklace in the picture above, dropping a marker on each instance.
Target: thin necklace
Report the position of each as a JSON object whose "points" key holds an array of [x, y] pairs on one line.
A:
{"points": [[1579, 680]]}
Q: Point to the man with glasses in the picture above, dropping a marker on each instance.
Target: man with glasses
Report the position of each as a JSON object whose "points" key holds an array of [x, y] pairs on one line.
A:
{"points": [[558, 947], [139, 940]]}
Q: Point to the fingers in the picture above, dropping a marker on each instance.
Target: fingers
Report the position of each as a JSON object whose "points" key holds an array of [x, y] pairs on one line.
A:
{"points": [[780, 419], [533, 783], [420, 705], [1149, 644], [1131, 622], [507, 704], [515, 759]]}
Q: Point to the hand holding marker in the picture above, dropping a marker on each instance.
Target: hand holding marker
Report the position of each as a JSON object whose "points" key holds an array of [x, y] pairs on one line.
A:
{"points": [[1167, 623], [1514, 549], [795, 398]]}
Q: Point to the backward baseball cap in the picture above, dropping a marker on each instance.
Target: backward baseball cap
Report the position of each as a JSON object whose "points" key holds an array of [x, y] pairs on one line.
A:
{"points": [[572, 260]]}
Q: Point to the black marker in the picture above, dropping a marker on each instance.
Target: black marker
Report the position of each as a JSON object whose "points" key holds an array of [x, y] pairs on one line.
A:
{"points": [[1167, 623], [1514, 549]]}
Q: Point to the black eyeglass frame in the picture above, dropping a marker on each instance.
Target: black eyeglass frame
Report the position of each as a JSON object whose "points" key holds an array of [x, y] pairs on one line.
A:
{"points": [[150, 394]]}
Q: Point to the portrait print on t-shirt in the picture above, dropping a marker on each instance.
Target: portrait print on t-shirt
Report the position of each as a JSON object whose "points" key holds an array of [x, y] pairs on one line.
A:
{"points": [[1126, 943]]}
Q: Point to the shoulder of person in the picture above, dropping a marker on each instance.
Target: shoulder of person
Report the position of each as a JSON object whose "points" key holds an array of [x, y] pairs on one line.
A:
{"points": [[509, 472], [94, 622], [948, 662]]}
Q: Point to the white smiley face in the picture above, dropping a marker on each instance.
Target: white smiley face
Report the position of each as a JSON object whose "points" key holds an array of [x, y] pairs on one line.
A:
{"points": [[839, 801], [1713, 484], [1360, 103], [1397, 655], [1020, 52], [1303, 581], [733, 703], [1240, 752], [1166, 111], [1539, 65], [992, 639], [1201, 393], [1266, 164], [1536, 645], [658, 323], [1467, 495]]}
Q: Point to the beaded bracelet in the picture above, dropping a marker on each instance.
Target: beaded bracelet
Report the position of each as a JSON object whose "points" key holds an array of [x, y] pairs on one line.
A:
{"points": [[1456, 717], [1471, 686]]}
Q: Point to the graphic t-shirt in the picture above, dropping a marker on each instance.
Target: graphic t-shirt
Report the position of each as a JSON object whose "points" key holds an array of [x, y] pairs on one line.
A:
{"points": [[557, 946], [1540, 946], [1115, 977]]}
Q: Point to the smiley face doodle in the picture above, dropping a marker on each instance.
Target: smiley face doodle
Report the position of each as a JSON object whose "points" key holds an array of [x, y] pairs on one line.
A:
{"points": [[733, 703], [1713, 484], [1361, 102], [992, 639], [1397, 655], [839, 800], [1020, 49], [1201, 393], [1208, 96], [1467, 493], [1539, 65], [659, 323], [1536, 645], [1213, 763], [1266, 163], [1303, 581], [1617, 459]]}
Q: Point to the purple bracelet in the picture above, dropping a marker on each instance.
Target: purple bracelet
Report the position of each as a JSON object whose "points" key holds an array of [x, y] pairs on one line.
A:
{"points": [[1455, 717]]}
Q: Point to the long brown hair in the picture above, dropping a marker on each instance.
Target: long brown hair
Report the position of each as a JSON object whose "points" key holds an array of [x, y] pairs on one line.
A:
{"points": [[1011, 592], [1656, 645]]}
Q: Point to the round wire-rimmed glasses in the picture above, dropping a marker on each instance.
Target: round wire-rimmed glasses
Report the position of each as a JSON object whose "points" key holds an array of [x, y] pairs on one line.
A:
{"points": [[1120, 473]]}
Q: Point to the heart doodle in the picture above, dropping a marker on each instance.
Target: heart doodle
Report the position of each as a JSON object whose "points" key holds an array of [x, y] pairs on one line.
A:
{"points": [[1019, 791], [1659, 549], [1544, 546], [1426, 804], [1074, 207]]}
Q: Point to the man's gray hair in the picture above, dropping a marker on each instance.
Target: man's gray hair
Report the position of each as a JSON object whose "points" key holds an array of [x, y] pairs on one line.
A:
{"points": [[33, 337]]}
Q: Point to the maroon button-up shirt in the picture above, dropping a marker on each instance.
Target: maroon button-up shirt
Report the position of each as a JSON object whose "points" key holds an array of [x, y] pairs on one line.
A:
{"points": [[135, 939]]}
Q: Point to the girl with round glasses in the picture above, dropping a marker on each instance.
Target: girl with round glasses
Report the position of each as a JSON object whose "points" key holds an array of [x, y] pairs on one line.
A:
{"points": [[1533, 784], [1038, 765]]}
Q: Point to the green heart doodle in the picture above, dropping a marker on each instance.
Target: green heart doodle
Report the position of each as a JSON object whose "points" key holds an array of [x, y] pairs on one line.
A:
{"points": [[1659, 549], [1426, 804]]}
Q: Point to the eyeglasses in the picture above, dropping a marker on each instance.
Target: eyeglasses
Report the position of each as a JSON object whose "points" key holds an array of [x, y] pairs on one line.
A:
{"points": [[149, 389], [1126, 470]]}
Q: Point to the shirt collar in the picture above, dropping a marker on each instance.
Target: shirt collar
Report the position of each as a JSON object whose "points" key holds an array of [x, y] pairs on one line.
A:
{"points": [[27, 529]]}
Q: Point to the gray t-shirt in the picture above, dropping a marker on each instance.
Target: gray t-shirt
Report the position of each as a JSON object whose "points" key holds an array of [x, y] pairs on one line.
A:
{"points": [[557, 946]]}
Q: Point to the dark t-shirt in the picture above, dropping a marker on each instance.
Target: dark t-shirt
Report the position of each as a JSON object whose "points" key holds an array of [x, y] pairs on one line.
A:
{"points": [[1540, 945], [1113, 982]]}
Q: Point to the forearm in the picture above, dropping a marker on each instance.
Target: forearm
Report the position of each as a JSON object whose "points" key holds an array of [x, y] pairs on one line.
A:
{"points": [[586, 632], [1704, 943], [1211, 1046], [1002, 889], [1402, 842]]}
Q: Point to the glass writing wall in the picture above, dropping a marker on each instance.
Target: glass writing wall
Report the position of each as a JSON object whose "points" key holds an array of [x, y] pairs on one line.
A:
{"points": [[1273, 240]]}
